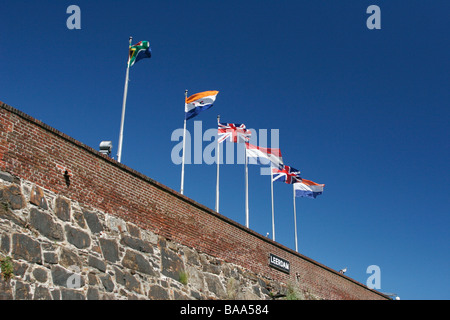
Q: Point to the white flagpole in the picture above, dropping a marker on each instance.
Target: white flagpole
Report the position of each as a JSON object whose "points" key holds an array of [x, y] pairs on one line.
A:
{"points": [[218, 164], [295, 219], [184, 143], [246, 190], [273, 211], [125, 93]]}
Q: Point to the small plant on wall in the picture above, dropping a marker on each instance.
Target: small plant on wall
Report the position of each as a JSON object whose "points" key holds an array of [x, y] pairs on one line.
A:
{"points": [[183, 277], [7, 268]]}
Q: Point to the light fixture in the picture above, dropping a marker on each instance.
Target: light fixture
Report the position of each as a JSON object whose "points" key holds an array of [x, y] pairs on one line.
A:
{"points": [[106, 147]]}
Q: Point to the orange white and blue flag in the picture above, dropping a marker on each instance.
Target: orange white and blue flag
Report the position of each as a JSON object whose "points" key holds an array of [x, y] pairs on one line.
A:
{"points": [[199, 102], [308, 189]]}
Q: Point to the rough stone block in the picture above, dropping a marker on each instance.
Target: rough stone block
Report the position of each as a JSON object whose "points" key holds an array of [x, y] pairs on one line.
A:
{"points": [[97, 263], [50, 257], [71, 294], [171, 264], [79, 218], [107, 282], [157, 292], [133, 230], [62, 208], [23, 291], [5, 243], [64, 278], [6, 213], [136, 244], [44, 223], [78, 238], [5, 290], [137, 262], [92, 294], [40, 275], [42, 293], [215, 285], [92, 221], [20, 269], [26, 248], [110, 249], [8, 177], [192, 257], [127, 280], [68, 258], [12, 195], [37, 197]]}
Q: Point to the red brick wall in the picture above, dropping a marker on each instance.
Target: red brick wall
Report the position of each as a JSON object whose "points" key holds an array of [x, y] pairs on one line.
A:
{"points": [[40, 154]]}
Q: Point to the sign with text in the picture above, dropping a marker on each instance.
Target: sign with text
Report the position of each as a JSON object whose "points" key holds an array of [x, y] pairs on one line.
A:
{"points": [[279, 263]]}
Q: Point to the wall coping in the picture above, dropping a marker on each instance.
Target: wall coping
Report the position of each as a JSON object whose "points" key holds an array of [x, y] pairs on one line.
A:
{"points": [[175, 193]]}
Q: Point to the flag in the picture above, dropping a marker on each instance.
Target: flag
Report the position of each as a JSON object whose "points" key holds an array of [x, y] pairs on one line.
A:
{"points": [[286, 174], [139, 51], [234, 132], [308, 189], [257, 153], [199, 102]]}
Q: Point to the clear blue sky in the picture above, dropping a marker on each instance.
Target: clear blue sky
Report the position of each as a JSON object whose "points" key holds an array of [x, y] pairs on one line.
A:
{"points": [[366, 112]]}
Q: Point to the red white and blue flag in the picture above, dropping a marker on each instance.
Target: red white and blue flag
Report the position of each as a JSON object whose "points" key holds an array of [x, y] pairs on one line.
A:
{"points": [[286, 174], [234, 132], [264, 156], [308, 189]]}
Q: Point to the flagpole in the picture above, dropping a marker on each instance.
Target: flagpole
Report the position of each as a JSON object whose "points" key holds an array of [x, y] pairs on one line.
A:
{"points": [[246, 191], [218, 164], [125, 93], [184, 142], [273, 211], [295, 219]]}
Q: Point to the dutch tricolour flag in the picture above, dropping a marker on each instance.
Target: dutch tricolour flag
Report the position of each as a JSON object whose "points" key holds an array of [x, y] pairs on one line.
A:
{"points": [[308, 189], [199, 102]]}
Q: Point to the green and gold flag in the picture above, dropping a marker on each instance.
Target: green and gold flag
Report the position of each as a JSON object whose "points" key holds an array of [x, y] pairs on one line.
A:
{"points": [[139, 51]]}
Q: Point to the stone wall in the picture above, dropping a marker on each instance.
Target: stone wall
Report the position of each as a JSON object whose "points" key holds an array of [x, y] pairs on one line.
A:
{"points": [[63, 250], [71, 213]]}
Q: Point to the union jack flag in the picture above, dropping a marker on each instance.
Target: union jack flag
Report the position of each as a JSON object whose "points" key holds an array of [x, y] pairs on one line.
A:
{"points": [[234, 132], [286, 174]]}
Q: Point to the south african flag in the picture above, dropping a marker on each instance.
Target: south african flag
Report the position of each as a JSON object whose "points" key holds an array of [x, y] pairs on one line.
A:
{"points": [[139, 51]]}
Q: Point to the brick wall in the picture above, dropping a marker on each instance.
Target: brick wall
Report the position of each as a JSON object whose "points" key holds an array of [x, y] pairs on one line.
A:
{"points": [[39, 154]]}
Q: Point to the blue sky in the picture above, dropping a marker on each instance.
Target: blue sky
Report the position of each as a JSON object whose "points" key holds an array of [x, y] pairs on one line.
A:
{"points": [[365, 112]]}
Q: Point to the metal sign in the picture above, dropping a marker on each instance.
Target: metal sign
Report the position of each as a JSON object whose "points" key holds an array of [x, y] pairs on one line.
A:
{"points": [[279, 263]]}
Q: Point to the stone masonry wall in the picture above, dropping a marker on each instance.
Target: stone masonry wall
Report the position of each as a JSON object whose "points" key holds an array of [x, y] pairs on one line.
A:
{"points": [[62, 250], [68, 212]]}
